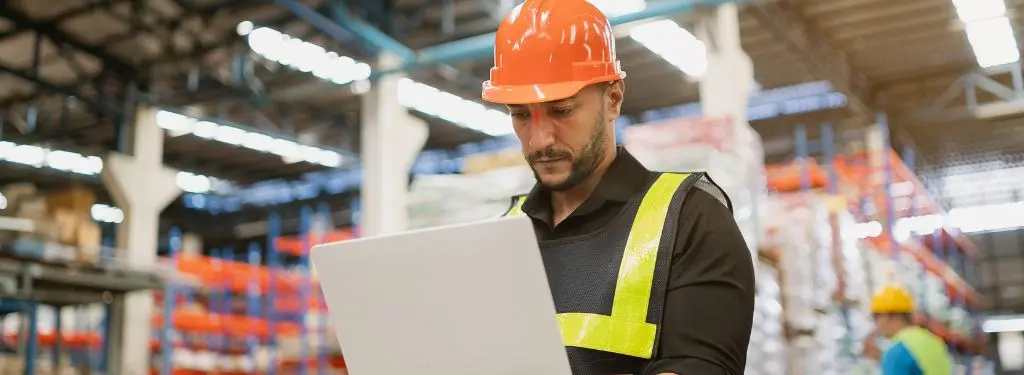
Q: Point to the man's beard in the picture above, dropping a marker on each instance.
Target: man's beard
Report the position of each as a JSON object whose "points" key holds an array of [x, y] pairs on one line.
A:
{"points": [[582, 167]]}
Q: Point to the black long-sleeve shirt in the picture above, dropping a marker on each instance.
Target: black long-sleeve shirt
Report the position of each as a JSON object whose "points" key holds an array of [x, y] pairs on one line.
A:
{"points": [[709, 307]]}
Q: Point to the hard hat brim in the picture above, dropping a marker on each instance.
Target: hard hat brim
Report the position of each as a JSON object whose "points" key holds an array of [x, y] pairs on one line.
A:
{"points": [[892, 310], [528, 94], [538, 93]]}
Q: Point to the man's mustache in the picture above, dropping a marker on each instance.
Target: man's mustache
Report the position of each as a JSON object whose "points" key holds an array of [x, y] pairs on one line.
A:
{"points": [[548, 154]]}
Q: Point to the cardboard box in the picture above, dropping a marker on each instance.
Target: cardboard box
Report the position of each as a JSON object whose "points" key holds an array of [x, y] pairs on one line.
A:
{"points": [[78, 232], [88, 241], [67, 223], [47, 229], [78, 200], [15, 193], [33, 208]]}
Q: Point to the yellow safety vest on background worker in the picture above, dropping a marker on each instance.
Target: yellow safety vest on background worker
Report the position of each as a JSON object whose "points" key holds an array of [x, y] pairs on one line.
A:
{"points": [[609, 286], [914, 350]]}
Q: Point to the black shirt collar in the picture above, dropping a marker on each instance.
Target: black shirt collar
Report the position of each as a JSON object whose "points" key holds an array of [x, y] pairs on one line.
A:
{"points": [[624, 179]]}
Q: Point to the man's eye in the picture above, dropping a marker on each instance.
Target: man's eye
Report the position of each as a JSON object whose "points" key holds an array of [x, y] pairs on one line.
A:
{"points": [[561, 111], [520, 115]]}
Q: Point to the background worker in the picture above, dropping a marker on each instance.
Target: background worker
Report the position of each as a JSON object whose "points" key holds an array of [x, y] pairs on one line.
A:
{"points": [[649, 271], [914, 350]]}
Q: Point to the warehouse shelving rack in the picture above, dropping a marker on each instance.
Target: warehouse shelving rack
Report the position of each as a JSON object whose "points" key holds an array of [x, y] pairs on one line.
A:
{"points": [[847, 178], [827, 147], [277, 302], [29, 281]]}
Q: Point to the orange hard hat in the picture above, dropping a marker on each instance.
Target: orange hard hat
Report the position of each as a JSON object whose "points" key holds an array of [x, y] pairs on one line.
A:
{"points": [[548, 50]]}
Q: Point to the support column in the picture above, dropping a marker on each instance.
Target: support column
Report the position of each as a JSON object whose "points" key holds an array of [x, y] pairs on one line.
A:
{"points": [[391, 141], [724, 92], [141, 186], [725, 88]]}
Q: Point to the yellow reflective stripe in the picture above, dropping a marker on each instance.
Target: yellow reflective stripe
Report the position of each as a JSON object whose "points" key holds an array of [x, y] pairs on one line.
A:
{"points": [[517, 207], [606, 333], [636, 274], [626, 330]]}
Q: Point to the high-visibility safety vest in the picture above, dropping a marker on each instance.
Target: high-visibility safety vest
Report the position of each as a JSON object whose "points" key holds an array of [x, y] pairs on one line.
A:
{"points": [[928, 350], [609, 286]]}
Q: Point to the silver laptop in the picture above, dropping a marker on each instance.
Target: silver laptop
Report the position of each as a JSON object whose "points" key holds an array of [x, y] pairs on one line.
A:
{"points": [[470, 299]]}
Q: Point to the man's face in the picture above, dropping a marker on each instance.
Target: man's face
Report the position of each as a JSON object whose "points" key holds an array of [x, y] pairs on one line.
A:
{"points": [[888, 325], [564, 141]]}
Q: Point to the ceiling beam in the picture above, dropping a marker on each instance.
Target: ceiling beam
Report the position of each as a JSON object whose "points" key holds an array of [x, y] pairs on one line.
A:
{"points": [[791, 27], [68, 15], [61, 38]]}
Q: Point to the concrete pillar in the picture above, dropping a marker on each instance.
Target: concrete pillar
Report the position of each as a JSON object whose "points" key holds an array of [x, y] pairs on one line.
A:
{"points": [[724, 92], [725, 88], [141, 186], [391, 141]]}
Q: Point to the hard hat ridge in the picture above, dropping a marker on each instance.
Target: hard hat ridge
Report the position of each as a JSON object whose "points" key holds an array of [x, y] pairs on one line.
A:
{"points": [[548, 50], [892, 299]]}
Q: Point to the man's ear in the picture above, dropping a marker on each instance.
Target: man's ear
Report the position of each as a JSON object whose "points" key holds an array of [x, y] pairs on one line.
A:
{"points": [[615, 94]]}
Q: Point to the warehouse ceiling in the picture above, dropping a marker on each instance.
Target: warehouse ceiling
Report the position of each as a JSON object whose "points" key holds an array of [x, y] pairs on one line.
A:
{"points": [[73, 67]]}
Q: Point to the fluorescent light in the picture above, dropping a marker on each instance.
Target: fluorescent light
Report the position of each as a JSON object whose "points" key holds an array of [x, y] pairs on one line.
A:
{"points": [[40, 157], [988, 218], [988, 31], [244, 28], [977, 10], [674, 44], [193, 183], [107, 214], [73, 162], [1003, 324], [973, 219], [452, 108], [993, 42], [178, 125], [303, 56]]}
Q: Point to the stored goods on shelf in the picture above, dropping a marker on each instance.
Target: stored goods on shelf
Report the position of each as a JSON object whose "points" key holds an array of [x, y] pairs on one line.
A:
{"points": [[826, 318], [799, 229], [767, 349], [249, 317], [62, 228], [447, 199], [731, 154]]}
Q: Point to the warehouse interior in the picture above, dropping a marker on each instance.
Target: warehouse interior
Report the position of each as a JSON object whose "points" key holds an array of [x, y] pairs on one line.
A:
{"points": [[165, 165]]}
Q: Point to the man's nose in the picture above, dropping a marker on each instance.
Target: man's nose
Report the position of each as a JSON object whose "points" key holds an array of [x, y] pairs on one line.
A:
{"points": [[541, 130]]}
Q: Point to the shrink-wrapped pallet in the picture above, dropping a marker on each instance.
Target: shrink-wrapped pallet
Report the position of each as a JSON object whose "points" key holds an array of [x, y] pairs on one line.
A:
{"points": [[902, 269], [732, 156], [449, 199], [800, 232], [766, 352], [857, 288], [829, 317]]}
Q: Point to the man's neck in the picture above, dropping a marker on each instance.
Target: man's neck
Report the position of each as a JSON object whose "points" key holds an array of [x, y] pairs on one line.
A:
{"points": [[899, 329], [563, 203]]}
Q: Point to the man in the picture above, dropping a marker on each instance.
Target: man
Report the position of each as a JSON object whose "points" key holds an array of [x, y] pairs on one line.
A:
{"points": [[914, 350], [649, 271]]}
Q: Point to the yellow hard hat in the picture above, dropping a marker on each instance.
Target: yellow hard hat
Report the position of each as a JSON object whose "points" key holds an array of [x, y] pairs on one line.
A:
{"points": [[892, 299]]}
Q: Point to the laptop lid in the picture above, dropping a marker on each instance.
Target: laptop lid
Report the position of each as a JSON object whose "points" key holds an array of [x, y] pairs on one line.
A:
{"points": [[468, 299]]}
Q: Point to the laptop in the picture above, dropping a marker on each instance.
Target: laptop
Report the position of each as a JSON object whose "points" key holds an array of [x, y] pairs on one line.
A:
{"points": [[467, 299]]}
